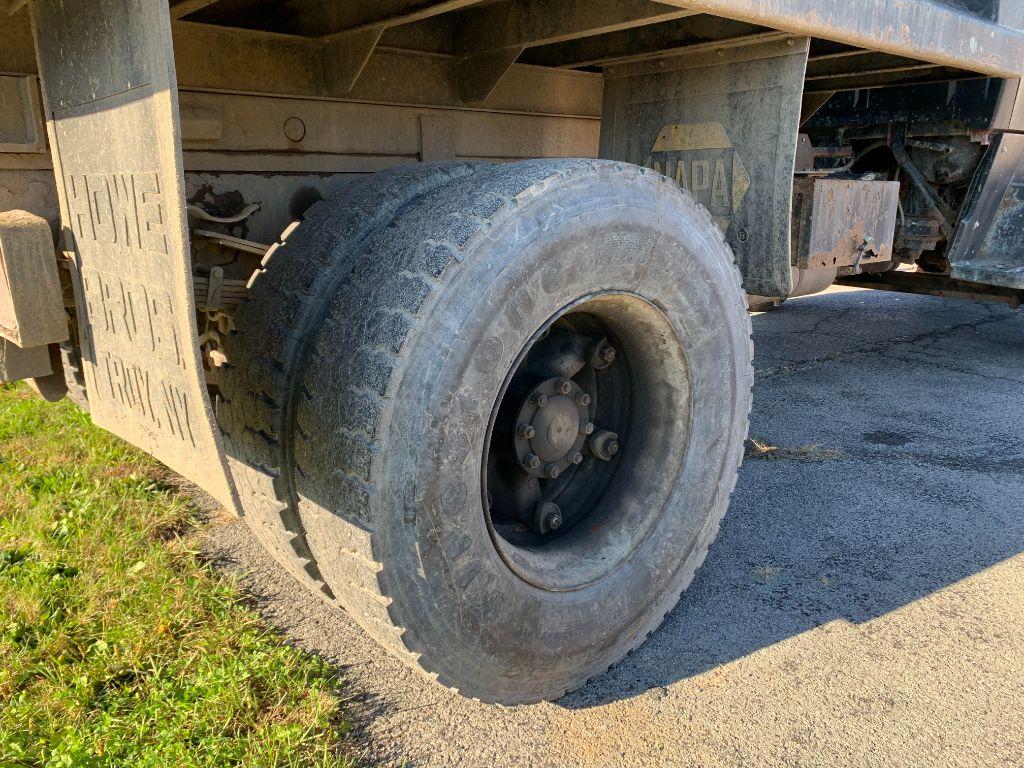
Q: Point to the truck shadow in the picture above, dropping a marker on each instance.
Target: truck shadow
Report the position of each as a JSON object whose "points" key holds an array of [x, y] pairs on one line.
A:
{"points": [[890, 465]]}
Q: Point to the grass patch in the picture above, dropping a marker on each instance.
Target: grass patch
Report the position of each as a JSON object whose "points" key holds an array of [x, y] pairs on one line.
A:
{"points": [[118, 647]]}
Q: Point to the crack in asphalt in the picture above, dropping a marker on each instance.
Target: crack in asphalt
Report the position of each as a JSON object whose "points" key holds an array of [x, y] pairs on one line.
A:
{"points": [[881, 347]]}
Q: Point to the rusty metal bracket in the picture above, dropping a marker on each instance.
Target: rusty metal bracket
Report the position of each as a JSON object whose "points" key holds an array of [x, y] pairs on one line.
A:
{"points": [[898, 145]]}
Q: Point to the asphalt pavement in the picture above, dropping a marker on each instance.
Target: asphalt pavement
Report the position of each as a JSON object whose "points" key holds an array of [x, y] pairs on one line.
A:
{"points": [[863, 604]]}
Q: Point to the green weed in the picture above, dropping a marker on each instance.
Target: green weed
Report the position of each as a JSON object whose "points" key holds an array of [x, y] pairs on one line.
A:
{"points": [[118, 646]]}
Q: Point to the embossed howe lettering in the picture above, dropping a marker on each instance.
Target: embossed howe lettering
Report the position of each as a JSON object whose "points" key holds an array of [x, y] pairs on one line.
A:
{"points": [[123, 209]]}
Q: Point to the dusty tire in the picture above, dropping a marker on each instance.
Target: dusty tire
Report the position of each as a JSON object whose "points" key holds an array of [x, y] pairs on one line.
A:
{"points": [[391, 422], [74, 376], [268, 351]]}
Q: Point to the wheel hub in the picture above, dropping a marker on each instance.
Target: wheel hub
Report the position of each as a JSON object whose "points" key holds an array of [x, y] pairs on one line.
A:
{"points": [[548, 457], [552, 427]]}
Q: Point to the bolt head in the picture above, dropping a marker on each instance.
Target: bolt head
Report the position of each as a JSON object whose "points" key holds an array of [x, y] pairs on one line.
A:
{"points": [[564, 387], [532, 460], [577, 458], [608, 354], [588, 429], [548, 516], [584, 399], [612, 448], [552, 471], [527, 432], [542, 400]]}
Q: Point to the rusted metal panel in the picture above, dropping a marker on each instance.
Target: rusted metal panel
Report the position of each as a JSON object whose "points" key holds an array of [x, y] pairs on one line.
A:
{"points": [[723, 124], [988, 247], [31, 301], [111, 104], [920, 29], [843, 223]]}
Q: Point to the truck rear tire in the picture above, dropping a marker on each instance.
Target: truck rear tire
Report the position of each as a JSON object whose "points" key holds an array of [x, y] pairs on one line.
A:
{"points": [[520, 421]]}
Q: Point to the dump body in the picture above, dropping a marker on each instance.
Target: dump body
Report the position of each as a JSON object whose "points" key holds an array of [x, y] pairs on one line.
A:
{"points": [[170, 145]]}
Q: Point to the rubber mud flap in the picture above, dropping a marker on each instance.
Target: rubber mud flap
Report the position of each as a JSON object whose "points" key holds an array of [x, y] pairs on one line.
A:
{"points": [[108, 80]]}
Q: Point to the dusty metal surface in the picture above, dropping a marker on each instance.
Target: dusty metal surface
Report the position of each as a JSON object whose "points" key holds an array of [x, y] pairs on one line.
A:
{"points": [[260, 133], [922, 29], [32, 190], [842, 223], [19, 363], [286, 64], [113, 124], [723, 124], [989, 249], [21, 125], [31, 301]]}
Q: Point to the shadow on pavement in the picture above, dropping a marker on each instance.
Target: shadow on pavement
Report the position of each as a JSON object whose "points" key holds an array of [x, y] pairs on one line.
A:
{"points": [[916, 404]]}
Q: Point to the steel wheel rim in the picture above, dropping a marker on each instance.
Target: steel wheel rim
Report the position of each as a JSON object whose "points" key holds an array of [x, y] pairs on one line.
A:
{"points": [[584, 475]]}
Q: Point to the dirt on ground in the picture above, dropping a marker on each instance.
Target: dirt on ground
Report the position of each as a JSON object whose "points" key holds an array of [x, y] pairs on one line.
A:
{"points": [[862, 606]]}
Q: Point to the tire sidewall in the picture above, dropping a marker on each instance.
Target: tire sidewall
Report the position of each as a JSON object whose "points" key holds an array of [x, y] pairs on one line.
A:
{"points": [[549, 248]]}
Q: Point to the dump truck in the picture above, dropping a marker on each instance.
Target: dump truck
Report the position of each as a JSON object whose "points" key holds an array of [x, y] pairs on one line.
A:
{"points": [[449, 298]]}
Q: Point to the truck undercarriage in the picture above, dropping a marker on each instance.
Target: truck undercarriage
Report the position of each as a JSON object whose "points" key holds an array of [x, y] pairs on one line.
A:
{"points": [[338, 264]]}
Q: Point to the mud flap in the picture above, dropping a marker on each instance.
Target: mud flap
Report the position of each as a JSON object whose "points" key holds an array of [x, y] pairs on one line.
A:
{"points": [[722, 121], [110, 92]]}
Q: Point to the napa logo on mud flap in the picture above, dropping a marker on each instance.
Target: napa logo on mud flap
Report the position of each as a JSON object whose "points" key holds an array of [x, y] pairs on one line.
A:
{"points": [[700, 158]]}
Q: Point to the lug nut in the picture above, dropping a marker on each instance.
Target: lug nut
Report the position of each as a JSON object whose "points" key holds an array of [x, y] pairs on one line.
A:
{"points": [[577, 458], [552, 471], [603, 355], [548, 517], [564, 387], [604, 444], [532, 460], [527, 432], [587, 429], [541, 400], [583, 399]]}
